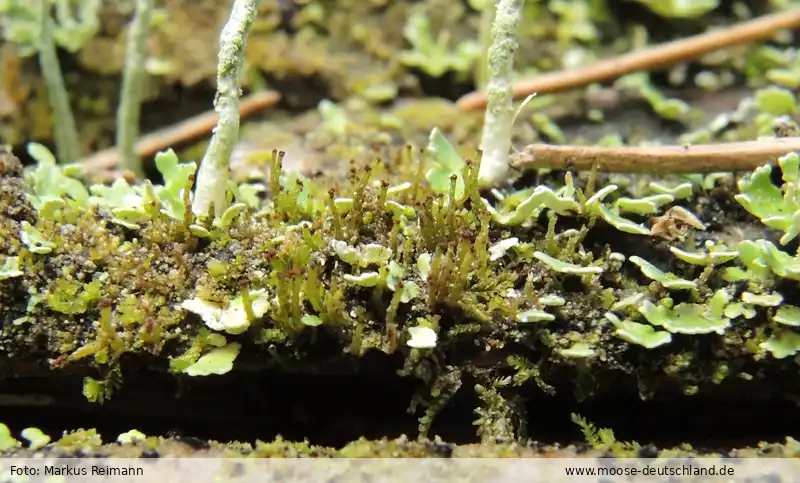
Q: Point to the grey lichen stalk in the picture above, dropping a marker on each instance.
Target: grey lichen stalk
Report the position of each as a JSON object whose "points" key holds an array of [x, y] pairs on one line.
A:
{"points": [[132, 87], [64, 130], [496, 139], [213, 175]]}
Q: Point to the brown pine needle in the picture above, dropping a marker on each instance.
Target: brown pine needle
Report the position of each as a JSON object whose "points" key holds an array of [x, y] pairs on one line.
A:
{"points": [[192, 128], [646, 59], [701, 158]]}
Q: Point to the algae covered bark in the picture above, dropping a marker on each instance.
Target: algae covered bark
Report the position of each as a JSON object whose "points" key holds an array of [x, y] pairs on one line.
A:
{"points": [[556, 287]]}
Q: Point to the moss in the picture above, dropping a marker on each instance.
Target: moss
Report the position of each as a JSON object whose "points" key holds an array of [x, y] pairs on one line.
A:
{"points": [[302, 270], [549, 284], [498, 418]]}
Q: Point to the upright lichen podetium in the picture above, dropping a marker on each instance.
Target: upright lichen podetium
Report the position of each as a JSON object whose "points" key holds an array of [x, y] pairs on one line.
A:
{"points": [[213, 175], [65, 132], [497, 123], [132, 84]]}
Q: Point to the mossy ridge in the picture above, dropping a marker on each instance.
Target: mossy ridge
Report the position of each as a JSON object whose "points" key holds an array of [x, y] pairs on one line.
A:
{"points": [[335, 269], [134, 444]]}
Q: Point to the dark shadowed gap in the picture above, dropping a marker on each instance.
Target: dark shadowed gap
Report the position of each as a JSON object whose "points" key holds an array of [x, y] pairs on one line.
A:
{"points": [[734, 417], [333, 409]]}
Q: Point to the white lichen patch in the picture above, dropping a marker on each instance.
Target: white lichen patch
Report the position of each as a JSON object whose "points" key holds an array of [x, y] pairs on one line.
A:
{"points": [[131, 437], [232, 319], [422, 338], [500, 248]]}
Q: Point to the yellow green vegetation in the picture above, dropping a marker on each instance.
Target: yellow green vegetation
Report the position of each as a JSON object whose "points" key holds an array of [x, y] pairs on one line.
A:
{"points": [[561, 284], [134, 443]]}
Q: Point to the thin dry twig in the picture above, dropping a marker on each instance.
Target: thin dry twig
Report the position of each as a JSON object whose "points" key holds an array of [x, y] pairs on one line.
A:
{"points": [[646, 59], [192, 128], [701, 158]]}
